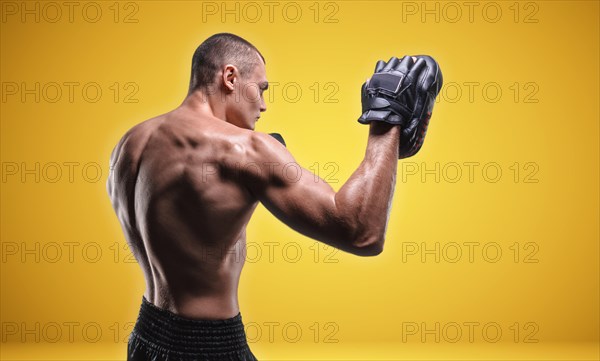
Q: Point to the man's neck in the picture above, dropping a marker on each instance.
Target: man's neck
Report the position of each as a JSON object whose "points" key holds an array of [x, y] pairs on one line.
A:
{"points": [[199, 102]]}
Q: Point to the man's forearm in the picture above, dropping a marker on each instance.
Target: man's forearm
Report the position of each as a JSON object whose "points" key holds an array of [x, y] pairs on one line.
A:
{"points": [[366, 198]]}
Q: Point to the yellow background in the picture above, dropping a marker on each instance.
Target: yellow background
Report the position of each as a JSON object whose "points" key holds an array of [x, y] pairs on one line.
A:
{"points": [[361, 307]]}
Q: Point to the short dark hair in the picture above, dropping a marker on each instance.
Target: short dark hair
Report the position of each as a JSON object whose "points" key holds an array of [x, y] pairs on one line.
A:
{"points": [[217, 51]]}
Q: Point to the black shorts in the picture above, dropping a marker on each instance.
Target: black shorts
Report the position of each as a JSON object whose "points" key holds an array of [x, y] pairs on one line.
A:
{"points": [[160, 335]]}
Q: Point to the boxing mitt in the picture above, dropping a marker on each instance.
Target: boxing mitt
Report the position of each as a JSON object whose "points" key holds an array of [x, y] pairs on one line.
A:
{"points": [[278, 137], [429, 83], [422, 81], [389, 96]]}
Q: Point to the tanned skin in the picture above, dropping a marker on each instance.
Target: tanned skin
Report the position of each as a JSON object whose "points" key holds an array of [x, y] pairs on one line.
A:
{"points": [[185, 184]]}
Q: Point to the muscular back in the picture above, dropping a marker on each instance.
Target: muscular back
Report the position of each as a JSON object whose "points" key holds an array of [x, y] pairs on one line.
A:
{"points": [[185, 184], [174, 187]]}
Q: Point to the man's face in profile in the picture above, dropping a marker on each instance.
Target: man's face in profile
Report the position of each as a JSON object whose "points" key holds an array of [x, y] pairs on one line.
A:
{"points": [[248, 100]]}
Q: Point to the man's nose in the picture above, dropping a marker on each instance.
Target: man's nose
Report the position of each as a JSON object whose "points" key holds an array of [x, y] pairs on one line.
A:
{"points": [[263, 105]]}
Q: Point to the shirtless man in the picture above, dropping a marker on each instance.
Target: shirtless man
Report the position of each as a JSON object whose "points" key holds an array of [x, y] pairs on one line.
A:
{"points": [[185, 184]]}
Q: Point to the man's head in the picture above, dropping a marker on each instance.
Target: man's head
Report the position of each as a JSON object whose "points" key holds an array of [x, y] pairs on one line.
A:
{"points": [[233, 70]]}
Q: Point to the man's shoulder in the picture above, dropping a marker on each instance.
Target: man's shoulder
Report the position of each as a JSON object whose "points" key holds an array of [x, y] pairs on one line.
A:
{"points": [[140, 131], [131, 144], [264, 145], [254, 146], [257, 156]]}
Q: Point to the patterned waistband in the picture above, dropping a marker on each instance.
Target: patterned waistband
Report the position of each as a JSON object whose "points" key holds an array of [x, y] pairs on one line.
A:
{"points": [[167, 333]]}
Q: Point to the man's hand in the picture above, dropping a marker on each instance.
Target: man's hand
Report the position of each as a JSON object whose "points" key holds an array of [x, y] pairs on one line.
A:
{"points": [[403, 92], [389, 96]]}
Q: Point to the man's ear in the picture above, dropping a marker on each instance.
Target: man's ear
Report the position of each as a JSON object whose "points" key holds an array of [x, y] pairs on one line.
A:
{"points": [[230, 76]]}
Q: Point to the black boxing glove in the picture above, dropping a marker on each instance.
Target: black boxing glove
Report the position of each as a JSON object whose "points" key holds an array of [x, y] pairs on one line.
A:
{"points": [[389, 96], [278, 137], [428, 87]]}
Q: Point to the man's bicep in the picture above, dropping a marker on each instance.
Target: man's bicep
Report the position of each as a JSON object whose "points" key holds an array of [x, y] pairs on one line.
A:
{"points": [[299, 198]]}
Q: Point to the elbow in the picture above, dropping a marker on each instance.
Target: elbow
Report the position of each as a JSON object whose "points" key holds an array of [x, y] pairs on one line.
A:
{"points": [[363, 240], [369, 247]]}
